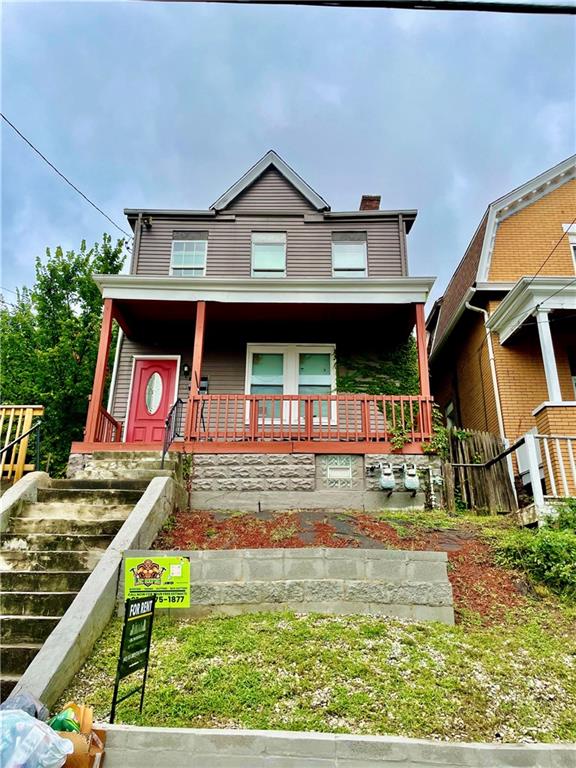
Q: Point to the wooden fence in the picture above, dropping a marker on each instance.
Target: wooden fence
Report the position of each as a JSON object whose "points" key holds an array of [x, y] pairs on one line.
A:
{"points": [[476, 475], [15, 422]]}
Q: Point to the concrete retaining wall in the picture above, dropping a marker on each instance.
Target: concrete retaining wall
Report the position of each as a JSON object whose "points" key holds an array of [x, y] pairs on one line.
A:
{"points": [[404, 584], [70, 643], [344, 481], [26, 489], [131, 747]]}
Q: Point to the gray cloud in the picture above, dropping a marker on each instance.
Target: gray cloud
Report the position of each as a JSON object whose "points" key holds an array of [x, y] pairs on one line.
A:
{"points": [[166, 105]]}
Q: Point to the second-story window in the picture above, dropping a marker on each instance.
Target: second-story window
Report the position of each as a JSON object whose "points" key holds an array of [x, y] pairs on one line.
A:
{"points": [[268, 254], [189, 254], [349, 254]]}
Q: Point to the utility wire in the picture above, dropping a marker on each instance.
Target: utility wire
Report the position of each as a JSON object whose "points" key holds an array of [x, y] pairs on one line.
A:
{"points": [[74, 187], [416, 5]]}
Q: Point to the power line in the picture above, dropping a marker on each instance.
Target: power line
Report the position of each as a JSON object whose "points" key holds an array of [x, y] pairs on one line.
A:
{"points": [[74, 187], [415, 5]]}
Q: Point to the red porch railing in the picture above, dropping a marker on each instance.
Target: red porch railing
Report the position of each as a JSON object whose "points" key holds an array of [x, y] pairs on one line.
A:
{"points": [[108, 430], [358, 418]]}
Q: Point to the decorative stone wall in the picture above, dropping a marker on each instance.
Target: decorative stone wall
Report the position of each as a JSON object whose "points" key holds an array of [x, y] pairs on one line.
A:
{"points": [[404, 584], [253, 472]]}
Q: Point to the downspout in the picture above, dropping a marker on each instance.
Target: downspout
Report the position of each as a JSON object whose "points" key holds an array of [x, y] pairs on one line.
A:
{"points": [[492, 368]]}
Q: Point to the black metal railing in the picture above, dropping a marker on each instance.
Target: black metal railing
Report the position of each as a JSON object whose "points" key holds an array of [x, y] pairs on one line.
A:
{"points": [[172, 428], [34, 428]]}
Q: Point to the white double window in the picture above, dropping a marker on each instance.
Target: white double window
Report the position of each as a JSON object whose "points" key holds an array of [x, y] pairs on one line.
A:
{"points": [[291, 369], [349, 254], [189, 251], [268, 254]]}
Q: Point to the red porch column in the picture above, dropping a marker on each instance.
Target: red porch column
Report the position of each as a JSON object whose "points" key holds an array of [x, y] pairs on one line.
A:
{"points": [[100, 372], [422, 351], [196, 369]]}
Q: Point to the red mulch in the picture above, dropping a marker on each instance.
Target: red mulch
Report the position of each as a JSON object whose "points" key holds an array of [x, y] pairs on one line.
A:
{"points": [[479, 585], [201, 530]]}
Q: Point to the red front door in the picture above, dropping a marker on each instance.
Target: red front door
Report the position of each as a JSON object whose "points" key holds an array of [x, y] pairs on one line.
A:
{"points": [[153, 393]]}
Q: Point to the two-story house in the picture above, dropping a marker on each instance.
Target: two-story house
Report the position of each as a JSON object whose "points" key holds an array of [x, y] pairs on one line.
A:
{"points": [[503, 336], [244, 312]]}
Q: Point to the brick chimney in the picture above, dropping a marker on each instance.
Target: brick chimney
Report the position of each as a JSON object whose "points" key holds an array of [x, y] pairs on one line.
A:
{"points": [[370, 203]]}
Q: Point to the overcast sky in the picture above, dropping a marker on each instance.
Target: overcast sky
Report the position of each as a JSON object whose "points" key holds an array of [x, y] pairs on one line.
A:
{"points": [[166, 105]]}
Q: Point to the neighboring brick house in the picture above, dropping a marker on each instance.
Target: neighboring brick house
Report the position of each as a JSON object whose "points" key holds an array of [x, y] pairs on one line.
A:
{"points": [[245, 312], [503, 337]]}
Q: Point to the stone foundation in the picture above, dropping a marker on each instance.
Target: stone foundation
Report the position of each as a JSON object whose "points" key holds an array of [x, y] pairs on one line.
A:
{"points": [[249, 482]]}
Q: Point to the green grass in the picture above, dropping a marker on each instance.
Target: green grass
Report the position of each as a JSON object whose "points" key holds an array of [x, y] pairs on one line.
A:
{"points": [[515, 681]]}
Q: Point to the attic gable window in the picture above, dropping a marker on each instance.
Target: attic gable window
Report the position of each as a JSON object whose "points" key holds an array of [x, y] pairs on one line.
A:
{"points": [[349, 254], [268, 254], [189, 251]]}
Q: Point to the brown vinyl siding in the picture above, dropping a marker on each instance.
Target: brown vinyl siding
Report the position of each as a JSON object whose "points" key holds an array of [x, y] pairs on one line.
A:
{"points": [[308, 245], [270, 192], [224, 360], [271, 204]]}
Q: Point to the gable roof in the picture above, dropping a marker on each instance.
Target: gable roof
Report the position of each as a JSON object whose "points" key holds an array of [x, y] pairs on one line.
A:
{"points": [[271, 159], [475, 264]]}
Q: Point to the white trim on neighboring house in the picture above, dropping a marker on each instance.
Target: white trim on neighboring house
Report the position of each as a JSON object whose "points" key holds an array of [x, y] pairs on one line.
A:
{"points": [[271, 158], [526, 297], [570, 230], [148, 357], [392, 290], [519, 198]]}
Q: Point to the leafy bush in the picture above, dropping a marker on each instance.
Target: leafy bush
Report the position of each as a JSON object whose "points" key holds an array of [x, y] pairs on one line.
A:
{"points": [[566, 519], [547, 555]]}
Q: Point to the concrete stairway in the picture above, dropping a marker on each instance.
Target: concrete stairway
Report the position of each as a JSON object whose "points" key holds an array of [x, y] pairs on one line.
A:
{"points": [[52, 546]]}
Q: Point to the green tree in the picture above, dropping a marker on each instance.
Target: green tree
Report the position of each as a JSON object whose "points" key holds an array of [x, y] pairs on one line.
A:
{"points": [[50, 342]]}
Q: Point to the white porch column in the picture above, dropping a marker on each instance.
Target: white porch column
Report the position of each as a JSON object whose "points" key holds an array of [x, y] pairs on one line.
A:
{"points": [[548, 356]]}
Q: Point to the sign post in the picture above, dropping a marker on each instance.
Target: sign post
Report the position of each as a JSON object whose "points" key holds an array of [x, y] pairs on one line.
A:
{"points": [[134, 646]]}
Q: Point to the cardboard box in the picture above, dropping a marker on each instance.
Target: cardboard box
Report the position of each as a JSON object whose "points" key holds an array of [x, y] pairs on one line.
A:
{"points": [[88, 744]]}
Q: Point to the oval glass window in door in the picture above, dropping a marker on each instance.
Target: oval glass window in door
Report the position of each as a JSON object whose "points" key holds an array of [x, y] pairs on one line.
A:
{"points": [[153, 394]]}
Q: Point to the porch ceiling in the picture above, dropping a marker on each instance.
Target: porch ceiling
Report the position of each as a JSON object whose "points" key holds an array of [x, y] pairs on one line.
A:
{"points": [[147, 320]]}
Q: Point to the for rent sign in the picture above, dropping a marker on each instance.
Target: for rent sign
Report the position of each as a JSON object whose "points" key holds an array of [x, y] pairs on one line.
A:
{"points": [[166, 577], [134, 647]]}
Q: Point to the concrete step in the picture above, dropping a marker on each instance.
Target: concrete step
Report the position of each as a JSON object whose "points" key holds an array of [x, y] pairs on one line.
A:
{"points": [[17, 657], [35, 603], [84, 496], [44, 581], [123, 463], [128, 455], [61, 510], [26, 629], [26, 525], [49, 560], [118, 475], [55, 541], [98, 484], [7, 683]]}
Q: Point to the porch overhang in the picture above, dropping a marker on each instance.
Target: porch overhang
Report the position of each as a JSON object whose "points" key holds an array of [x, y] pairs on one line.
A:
{"points": [[396, 290], [529, 295]]}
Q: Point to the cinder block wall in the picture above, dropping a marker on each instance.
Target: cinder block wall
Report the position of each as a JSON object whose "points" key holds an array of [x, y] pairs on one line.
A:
{"points": [[405, 584]]}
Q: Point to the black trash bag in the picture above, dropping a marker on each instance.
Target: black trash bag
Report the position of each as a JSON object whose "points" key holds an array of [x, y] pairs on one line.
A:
{"points": [[27, 703]]}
